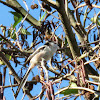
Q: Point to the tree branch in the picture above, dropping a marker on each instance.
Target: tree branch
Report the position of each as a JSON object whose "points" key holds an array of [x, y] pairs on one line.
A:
{"points": [[68, 30], [12, 45], [12, 71], [3, 58], [18, 8], [52, 3]]}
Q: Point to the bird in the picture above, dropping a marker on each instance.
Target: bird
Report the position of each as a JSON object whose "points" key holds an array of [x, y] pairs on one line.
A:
{"points": [[46, 52]]}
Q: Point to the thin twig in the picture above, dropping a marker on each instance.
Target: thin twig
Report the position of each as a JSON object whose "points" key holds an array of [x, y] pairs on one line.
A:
{"points": [[20, 29], [42, 91], [79, 88], [90, 51], [26, 5], [11, 86], [91, 61], [8, 41], [23, 96], [96, 6], [52, 3], [94, 77], [14, 85]]}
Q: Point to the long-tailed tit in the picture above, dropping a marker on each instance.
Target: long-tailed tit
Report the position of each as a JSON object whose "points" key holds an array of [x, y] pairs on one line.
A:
{"points": [[46, 52]]}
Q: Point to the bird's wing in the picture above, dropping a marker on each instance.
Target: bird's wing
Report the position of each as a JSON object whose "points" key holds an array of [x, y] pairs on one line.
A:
{"points": [[34, 53]]}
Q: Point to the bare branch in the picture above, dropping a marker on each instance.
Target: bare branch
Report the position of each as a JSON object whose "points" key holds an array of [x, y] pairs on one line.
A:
{"points": [[52, 3]]}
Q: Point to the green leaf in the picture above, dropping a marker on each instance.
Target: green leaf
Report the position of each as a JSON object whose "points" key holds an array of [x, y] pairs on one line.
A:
{"points": [[66, 41], [11, 33], [24, 31], [8, 57], [3, 29], [1, 39], [73, 84], [70, 91], [94, 20], [43, 16], [17, 18], [1, 62]]}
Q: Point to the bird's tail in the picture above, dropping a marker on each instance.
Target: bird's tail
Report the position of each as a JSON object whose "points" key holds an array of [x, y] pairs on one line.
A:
{"points": [[23, 82]]}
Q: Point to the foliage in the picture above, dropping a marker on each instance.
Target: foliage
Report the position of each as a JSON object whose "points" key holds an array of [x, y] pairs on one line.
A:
{"points": [[75, 66], [17, 18]]}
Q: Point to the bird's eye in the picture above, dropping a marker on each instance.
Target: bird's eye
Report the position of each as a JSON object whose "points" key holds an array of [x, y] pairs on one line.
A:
{"points": [[47, 43]]}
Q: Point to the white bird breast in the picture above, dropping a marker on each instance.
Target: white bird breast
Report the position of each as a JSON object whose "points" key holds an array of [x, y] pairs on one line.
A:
{"points": [[46, 53]]}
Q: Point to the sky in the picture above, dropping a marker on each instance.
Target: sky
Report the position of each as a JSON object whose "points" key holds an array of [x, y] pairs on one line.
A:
{"points": [[6, 18]]}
